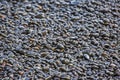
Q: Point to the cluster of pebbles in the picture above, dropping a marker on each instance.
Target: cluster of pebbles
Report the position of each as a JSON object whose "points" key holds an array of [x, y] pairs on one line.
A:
{"points": [[59, 39]]}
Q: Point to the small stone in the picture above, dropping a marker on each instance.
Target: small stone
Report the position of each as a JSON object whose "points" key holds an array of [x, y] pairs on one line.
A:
{"points": [[28, 7], [94, 34], [2, 34], [117, 72], [32, 39], [2, 16], [22, 13], [65, 77], [44, 54], [74, 38], [107, 46], [62, 69], [96, 2], [109, 72], [36, 48], [114, 25], [40, 7], [90, 9], [11, 54], [46, 68], [66, 61], [38, 66], [21, 72], [1, 60], [11, 75], [60, 46], [48, 78], [89, 73], [115, 56], [104, 34], [40, 16], [74, 2], [86, 56], [113, 65], [104, 10], [94, 42], [79, 55], [58, 62], [106, 20], [104, 54], [26, 78], [74, 18]]}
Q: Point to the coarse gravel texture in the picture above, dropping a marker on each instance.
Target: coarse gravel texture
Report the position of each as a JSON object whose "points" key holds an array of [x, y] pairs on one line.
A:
{"points": [[59, 39]]}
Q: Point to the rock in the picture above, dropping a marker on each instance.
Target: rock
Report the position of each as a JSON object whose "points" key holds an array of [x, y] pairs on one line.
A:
{"points": [[117, 72], [40, 16], [109, 73], [66, 61], [2, 16], [44, 54], [107, 46], [112, 65], [48, 78], [46, 68], [60, 46], [90, 9], [89, 73], [65, 77], [28, 7], [63, 69], [86, 56]]}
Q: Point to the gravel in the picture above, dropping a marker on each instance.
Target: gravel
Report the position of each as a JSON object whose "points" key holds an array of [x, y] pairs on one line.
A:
{"points": [[59, 40]]}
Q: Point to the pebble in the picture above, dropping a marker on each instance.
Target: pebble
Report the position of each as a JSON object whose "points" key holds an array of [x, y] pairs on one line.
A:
{"points": [[87, 56], [117, 72], [106, 45], [46, 69], [104, 54], [89, 73], [60, 46], [65, 77], [113, 65], [40, 16], [66, 61], [48, 78], [2, 16], [44, 54], [63, 69], [90, 9]]}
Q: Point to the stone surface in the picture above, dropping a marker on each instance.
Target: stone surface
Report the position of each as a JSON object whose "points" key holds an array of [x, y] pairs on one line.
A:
{"points": [[59, 40]]}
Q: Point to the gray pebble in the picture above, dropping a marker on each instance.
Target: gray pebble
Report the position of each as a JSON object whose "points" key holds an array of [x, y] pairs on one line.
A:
{"points": [[86, 56]]}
